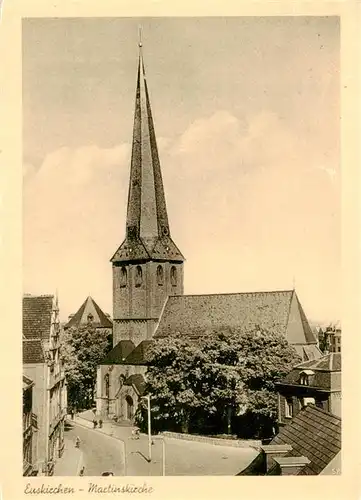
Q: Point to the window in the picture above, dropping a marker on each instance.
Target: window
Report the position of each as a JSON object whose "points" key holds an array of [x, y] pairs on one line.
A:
{"points": [[306, 377], [123, 277], [173, 275], [160, 275], [106, 380], [138, 276], [288, 408], [121, 381]]}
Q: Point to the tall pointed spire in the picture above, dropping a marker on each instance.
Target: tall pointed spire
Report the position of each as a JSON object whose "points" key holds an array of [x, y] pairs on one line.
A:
{"points": [[147, 227]]}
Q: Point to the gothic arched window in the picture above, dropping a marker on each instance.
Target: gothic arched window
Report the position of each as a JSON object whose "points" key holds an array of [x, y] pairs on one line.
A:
{"points": [[160, 275], [138, 276], [173, 275], [123, 277], [121, 381], [106, 380]]}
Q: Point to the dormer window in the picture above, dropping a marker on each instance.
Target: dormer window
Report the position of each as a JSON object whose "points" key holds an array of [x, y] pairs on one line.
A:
{"points": [[305, 377]]}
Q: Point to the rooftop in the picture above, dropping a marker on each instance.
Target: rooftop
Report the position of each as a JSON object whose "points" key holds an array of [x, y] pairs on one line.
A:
{"points": [[119, 353], [89, 311], [315, 434], [274, 311], [37, 316]]}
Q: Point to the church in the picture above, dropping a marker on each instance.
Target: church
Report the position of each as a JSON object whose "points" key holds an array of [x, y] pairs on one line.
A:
{"points": [[148, 294]]}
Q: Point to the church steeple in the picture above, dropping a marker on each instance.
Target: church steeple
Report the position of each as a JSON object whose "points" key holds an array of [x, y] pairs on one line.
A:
{"points": [[147, 226]]}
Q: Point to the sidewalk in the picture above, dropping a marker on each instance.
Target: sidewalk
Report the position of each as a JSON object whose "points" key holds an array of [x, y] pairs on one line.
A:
{"points": [[71, 461]]}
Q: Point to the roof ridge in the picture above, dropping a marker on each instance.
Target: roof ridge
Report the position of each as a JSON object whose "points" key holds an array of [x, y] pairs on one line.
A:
{"points": [[313, 407], [289, 312], [231, 293], [31, 296]]}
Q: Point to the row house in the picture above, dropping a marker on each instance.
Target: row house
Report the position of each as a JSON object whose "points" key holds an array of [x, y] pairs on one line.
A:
{"points": [[42, 364], [310, 426], [30, 428], [317, 382]]}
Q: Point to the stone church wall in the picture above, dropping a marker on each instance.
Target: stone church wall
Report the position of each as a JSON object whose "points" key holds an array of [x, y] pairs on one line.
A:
{"points": [[109, 404], [139, 294]]}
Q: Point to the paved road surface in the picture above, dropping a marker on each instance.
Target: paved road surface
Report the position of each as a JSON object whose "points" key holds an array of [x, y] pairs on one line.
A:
{"points": [[182, 457], [100, 452]]}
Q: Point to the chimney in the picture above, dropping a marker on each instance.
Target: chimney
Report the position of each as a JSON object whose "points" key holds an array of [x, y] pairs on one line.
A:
{"points": [[291, 466], [273, 451]]}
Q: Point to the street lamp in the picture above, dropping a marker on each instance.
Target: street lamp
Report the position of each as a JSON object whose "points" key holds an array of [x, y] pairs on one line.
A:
{"points": [[147, 397]]}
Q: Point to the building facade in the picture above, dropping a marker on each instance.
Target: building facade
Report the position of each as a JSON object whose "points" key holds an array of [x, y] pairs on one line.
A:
{"points": [[315, 382], [30, 429], [42, 364]]}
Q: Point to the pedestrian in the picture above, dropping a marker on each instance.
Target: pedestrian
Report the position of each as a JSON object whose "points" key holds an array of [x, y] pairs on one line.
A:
{"points": [[135, 433], [100, 423], [77, 442], [95, 423], [72, 414], [82, 470]]}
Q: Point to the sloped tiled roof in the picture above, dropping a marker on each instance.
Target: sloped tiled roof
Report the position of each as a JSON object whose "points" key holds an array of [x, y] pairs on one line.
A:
{"points": [[37, 314], [138, 355], [310, 337], [33, 351], [322, 368], [195, 315], [329, 362], [89, 307], [309, 352], [148, 234], [313, 433], [138, 381], [119, 353]]}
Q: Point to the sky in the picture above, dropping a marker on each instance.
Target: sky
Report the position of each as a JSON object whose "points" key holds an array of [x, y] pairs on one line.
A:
{"points": [[247, 119]]}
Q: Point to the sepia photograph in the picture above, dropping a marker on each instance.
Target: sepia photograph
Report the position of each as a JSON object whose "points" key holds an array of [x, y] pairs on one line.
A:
{"points": [[181, 246]]}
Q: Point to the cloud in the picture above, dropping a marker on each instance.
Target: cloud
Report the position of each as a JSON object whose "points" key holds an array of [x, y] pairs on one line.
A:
{"points": [[255, 208], [249, 205], [74, 209]]}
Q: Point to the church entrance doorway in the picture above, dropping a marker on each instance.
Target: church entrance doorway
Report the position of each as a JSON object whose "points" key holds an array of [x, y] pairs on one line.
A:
{"points": [[130, 407]]}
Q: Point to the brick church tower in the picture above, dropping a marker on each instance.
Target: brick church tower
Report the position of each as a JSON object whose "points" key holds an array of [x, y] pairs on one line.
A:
{"points": [[148, 266]]}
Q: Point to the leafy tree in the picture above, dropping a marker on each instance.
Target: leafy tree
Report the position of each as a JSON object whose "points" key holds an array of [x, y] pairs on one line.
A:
{"points": [[83, 349], [226, 380]]}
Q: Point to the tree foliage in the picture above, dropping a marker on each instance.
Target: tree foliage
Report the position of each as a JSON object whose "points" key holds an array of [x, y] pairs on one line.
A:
{"points": [[83, 349], [226, 381]]}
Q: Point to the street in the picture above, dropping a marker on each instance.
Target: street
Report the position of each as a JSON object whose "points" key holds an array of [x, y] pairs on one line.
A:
{"points": [[100, 452], [103, 451]]}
